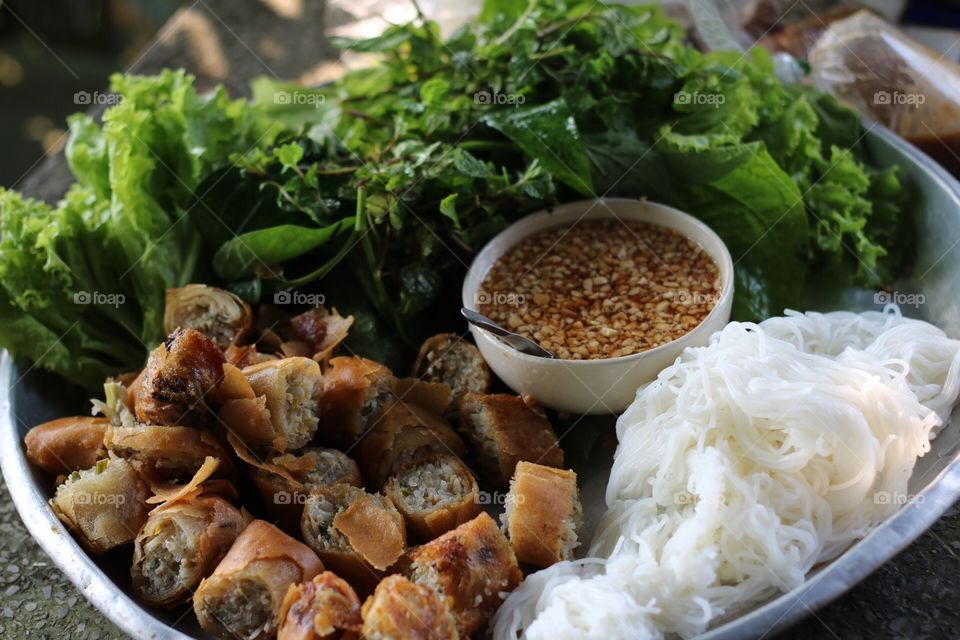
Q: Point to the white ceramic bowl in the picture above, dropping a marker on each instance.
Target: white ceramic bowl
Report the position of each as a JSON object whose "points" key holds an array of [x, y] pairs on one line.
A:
{"points": [[594, 386]]}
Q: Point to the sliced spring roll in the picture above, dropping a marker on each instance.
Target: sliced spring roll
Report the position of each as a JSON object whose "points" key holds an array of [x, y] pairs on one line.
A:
{"points": [[503, 430], [220, 315], [403, 610], [471, 568], [281, 408], [180, 373], [402, 432], [453, 360], [67, 444], [434, 494], [319, 330], [171, 452], [325, 608], [180, 544], [542, 514], [104, 506], [354, 391], [358, 535], [285, 480], [242, 598]]}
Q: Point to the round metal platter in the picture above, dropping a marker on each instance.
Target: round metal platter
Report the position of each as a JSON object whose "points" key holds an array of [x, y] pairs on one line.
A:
{"points": [[32, 397]]}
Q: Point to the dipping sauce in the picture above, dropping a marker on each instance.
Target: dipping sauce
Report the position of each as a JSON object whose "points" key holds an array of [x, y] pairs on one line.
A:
{"points": [[601, 288]]}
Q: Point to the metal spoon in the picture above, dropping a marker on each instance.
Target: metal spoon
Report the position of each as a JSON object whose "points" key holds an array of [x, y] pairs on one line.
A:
{"points": [[518, 342]]}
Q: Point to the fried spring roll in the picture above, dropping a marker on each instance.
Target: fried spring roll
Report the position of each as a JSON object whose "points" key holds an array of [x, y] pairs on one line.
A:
{"points": [[67, 444], [354, 391], [326, 608], [469, 567], [180, 544], [180, 373], [242, 597], [503, 430], [104, 506], [320, 331], [542, 514], [358, 535], [285, 480], [453, 360], [172, 452], [434, 494], [403, 610], [220, 315], [282, 412], [402, 432]]}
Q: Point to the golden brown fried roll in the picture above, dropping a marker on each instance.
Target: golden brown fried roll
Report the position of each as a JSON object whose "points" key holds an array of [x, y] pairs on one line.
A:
{"points": [[280, 409], [403, 610], [542, 514], [455, 361], [320, 330], [354, 391], [325, 608], [67, 444], [403, 431], [434, 494], [470, 567], [435, 397], [358, 535], [503, 430], [104, 506], [220, 315], [285, 480], [179, 375], [172, 452], [180, 544], [242, 597]]}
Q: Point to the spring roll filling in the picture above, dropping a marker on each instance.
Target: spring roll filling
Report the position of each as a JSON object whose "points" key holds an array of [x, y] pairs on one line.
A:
{"points": [[300, 409], [431, 485], [320, 513], [331, 468], [246, 609], [377, 396], [170, 558]]}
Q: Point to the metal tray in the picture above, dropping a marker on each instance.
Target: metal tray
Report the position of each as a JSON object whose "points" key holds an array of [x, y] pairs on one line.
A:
{"points": [[31, 397]]}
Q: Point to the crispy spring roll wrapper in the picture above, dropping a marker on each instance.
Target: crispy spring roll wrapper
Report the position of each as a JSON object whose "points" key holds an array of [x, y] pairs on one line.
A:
{"points": [[67, 444], [172, 452], [434, 493], [320, 331], [180, 373], [242, 597], [435, 397], [403, 609], [281, 408], [469, 568], [401, 433], [312, 468], [220, 315], [325, 608], [104, 506], [358, 536], [354, 391], [542, 514], [180, 544]]}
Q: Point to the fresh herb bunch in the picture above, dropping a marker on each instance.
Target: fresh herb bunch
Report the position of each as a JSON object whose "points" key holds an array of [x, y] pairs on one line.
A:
{"points": [[377, 189]]}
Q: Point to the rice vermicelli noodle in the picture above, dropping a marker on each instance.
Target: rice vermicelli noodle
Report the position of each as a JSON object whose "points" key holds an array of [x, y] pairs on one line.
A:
{"points": [[742, 466]]}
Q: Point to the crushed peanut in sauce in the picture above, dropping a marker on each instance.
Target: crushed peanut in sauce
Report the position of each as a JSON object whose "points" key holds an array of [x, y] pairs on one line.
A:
{"points": [[601, 289]]}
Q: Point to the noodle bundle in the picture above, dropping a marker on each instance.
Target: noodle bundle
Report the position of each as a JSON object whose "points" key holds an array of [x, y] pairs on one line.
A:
{"points": [[742, 466]]}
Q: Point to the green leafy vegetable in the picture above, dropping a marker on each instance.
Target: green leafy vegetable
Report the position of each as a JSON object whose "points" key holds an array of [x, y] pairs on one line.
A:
{"points": [[378, 188]]}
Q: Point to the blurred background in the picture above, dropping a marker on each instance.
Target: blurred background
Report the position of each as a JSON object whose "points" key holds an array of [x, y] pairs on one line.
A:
{"points": [[52, 50], [56, 56]]}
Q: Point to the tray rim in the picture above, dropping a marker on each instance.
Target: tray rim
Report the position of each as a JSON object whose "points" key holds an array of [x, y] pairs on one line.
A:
{"points": [[828, 584]]}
